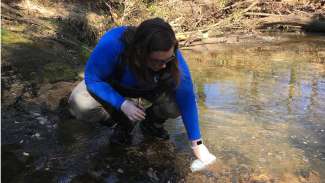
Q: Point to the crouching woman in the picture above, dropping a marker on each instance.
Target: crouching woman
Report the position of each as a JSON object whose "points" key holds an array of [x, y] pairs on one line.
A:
{"points": [[139, 62]]}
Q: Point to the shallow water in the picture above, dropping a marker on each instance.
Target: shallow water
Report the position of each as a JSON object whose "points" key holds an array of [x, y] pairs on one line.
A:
{"points": [[262, 106], [262, 109]]}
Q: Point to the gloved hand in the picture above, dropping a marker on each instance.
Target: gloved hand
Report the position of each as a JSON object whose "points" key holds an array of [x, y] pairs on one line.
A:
{"points": [[202, 153], [133, 111]]}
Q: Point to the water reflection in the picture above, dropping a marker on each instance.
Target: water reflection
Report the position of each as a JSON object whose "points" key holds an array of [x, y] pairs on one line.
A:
{"points": [[263, 106]]}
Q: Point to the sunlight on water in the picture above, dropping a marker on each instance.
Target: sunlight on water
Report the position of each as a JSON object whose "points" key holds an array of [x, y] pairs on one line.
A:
{"points": [[263, 107]]}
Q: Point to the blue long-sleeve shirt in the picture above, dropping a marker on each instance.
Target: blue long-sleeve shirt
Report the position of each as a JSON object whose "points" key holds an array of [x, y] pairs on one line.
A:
{"points": [[102, 63]]}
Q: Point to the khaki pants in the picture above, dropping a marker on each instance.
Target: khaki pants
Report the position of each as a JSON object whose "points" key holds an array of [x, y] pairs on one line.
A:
{"points": [[84, 107]]}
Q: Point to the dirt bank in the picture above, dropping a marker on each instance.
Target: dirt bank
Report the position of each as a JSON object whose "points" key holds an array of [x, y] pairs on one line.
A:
{"points": [[42, 60]]}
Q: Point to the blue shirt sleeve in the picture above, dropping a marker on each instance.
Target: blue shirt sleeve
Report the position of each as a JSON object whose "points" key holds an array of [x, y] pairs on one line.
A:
{"points": [[185, 99], [101, 65]]}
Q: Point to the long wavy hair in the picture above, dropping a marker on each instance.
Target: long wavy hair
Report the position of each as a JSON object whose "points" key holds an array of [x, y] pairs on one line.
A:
{"points": [[151, 35]]}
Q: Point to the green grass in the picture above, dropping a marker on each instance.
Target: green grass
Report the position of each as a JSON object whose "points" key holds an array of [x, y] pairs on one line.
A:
{"points": [[54, 72], [84, 53], [9, 37]]}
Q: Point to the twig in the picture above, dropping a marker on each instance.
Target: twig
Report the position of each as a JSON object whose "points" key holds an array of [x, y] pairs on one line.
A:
{"points": [[69, 41], [260, 14], [110, 11], [25, 20], [251, 6], [234, 5], [10, 9], [199, 21], [308, 14]]}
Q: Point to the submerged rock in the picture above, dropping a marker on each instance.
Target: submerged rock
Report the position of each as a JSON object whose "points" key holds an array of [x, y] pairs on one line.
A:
{"points": [[152, 174], [120, 170]]}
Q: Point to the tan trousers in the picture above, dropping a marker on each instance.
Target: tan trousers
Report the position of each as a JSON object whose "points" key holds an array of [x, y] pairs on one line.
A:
{"points": [[84, 107]]}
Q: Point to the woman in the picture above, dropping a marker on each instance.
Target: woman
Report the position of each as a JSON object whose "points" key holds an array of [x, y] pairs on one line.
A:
{"points": [[139, 62]]}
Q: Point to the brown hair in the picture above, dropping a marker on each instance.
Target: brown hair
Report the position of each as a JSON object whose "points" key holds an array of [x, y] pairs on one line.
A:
{"points": [[151, 35]]}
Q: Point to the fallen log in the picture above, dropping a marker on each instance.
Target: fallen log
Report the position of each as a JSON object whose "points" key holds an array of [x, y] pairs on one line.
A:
{"points": [[305, 22]]}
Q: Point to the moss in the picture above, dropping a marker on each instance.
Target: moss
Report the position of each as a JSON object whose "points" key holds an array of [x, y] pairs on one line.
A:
{"points": [[41, 60], [84, 53], [10, 37], [222, 3], [157, 11], [54, 72]]}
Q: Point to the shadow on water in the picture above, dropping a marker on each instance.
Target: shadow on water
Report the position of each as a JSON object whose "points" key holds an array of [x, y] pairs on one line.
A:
{"points": [[317, 25], [47, 146]]}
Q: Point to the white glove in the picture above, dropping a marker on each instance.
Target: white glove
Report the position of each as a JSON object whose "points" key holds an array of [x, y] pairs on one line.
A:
{"points": [[205, 158], [132, 111], [202, 153]]}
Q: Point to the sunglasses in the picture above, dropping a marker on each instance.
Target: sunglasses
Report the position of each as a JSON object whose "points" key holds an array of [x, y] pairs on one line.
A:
{"points": [[158, 62]]}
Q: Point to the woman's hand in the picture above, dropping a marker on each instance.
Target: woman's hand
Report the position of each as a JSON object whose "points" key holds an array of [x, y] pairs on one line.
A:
{"points": [[133, 111], [202, 153]]}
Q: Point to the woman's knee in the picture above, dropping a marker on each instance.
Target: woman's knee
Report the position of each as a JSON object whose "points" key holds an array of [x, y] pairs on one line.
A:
{"points": [[84, 107], [88, 112]]}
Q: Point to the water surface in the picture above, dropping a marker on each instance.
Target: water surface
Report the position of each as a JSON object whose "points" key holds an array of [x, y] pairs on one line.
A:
{"points": [[262, 106]]}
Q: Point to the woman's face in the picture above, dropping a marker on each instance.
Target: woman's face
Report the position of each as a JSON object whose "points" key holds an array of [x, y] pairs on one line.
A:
{"points": [[158, 60]]}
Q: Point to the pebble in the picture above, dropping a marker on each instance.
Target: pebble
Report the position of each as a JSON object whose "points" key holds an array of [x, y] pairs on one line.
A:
{"points": [[305, 159], [279, 157], [120, 170], [263, 160], [97, 173], [25, 154], [22, 141], [322, 130], [16, 122], [37, 135], [111, 179], [35, 114], [152, 174], [41, 120]]}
